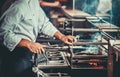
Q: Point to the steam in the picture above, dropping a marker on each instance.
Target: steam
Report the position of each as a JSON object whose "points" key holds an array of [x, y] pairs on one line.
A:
{"points": [[104, 6], [93, 6]]}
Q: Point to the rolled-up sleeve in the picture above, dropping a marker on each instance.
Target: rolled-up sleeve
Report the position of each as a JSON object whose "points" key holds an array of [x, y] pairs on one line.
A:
{"points": [[9, 23], [47, 27]]}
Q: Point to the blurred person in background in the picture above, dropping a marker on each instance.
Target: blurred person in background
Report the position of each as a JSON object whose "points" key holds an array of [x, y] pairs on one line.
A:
{"points": [[49, 5]]}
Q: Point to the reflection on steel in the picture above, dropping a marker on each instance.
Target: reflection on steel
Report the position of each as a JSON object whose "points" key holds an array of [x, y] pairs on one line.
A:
{"points": [[55, 59], [71, 13], [90, 30], [100, 23], [53, 75], [90, 43], [58, 75]]}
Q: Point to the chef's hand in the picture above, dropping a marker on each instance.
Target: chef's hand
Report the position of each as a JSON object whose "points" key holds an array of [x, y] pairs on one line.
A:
{"points": [[56, 4], [68, 39], [34, 47]]}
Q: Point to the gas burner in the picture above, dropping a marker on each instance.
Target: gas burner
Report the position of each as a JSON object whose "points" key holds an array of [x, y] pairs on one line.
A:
{"points": [[42, 74], [88, 56], [52, 59]]}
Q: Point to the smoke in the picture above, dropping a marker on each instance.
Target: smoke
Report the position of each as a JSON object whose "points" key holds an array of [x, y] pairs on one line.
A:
{"points": [[93, 6], [89, 6], [104, 6]]}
